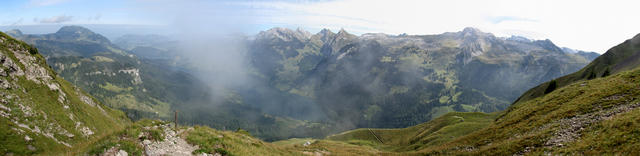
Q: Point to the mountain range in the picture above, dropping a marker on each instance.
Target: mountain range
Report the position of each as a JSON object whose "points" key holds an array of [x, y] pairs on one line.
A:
{"points": [[589, 110], [380, 80], [580, 114], [337, 81], [344, 81]]}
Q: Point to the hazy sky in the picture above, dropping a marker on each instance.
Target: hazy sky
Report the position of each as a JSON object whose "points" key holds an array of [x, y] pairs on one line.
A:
{"points": [[593, 25]]}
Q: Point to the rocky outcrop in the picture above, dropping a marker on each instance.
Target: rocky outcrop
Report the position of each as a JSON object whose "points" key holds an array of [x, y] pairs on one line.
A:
{"points": [[171, 144]]}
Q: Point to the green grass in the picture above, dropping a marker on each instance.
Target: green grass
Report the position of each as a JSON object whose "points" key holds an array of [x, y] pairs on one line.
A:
{"points": [[435, 132], [130, 146], [619, 135], [127, 139], [531, 123], [330, 147], [620, 58], [211, 141], [293, 141], [48, 114]]}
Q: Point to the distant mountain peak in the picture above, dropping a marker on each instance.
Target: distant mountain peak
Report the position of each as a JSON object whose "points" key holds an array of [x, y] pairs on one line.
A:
{"points": [[325, 31], [343, 34], [325, 35], [74, 29], [471, 30], [547, 44], [473, 34], [14, 32], [342, 31], [519, 38], [285, 34], [80, 33]]}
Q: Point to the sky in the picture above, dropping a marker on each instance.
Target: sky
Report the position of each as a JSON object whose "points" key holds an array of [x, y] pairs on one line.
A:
{"points": [[591, 25]]}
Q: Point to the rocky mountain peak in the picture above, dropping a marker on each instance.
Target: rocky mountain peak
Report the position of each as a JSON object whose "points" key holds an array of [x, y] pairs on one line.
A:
{"points": [[325, 31], [547, 44], [474, 43], [473, 33], [519, 39], [471, 30], [303, 32], [325, 35], [284, 34], [343, 33]]}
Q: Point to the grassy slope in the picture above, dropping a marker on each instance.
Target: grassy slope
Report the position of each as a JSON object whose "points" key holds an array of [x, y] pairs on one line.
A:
{"points": [[236, 143], [622, 57], [435, 132], [46, 113], [127, 138], [208, 140], [529, 125]]}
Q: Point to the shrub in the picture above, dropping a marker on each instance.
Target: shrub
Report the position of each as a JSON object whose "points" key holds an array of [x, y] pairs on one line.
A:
{"points": [[552, 86], [33, 50], [606, 73], [592, 75], [222, 151], [242, 131], [156, 134]]}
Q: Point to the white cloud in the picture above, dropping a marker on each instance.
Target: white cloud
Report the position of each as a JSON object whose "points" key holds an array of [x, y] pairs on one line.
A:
{"points": [[56, 19], [46, 2], [95, 18], [583, 24]]}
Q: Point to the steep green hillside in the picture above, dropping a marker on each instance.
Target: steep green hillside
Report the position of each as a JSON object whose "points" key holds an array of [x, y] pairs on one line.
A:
{"points": [[115, 77], [624, 56], [589, 117], [435, 132], [41, 112]]}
